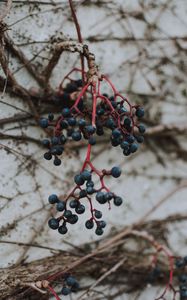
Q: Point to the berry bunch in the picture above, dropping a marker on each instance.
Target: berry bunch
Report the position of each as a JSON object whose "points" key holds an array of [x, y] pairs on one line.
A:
{"points": [[92, 113], [181, 264], [84, 189], [70, 285]]}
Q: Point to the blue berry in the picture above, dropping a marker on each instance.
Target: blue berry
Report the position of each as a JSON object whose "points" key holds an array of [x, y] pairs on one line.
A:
{"points": [[64, 124], [82, 193], [44, 123], [127, 122], [101, 224], [116, 172], [100, 197], [140, 112], [67, 213], [90, 129], [124, 145], [79, 180], [108, 196], [66, 112], [141, 128], [133, 148], [180, 263], [110, 123], [99, 231], [92, 140], [46, 143], [76, 136], [72, 219], [183, 278], [57, 161], [99, 131], [80, 209], [118, 201], [54, 140], [140, 139], [65, 291], [72, 121], [75, 287], [130, 139], [63, 139], [71, 280], [73, 203], [98, 214], [127, 152], [86, 175], [62, 229], [50, 117], [90, 190], [82, 122], [116, 133], [90, 183], [48, 155], [53, 199], [53, 223], [89, 224], [61, 205]]}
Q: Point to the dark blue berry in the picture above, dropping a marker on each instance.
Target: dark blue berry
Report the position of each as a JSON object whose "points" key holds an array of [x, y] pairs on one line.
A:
{"points": [[133, 148], [46, 143], [71, 280], [75, 287], [108, 196], [139, 138], [100, 111], [54, 140], [86, 175], [66, 112], [62, 229], [92, 140], [53, 199], [100, 197], [57, 161], [110, 123], [61, 205], [70, 87], [98, 214], [82, 123], [80, 209], [65, 291], [130, 138], [50, 117], [44, 123], [116, 172], [79, 180], [101, 224], [76, 136], [67, 213], [183, 278], [180, 263], [127, 152], [118, 201], [90, 129], [89, 224], [72, 219], [127, 122], [90, 190], [90, 183], [64, 124], [62, 139], [48, 155], [72, 121], [73, 203], [99, 131], [82, 193], [140, 112], [53, 223], [116, 133], [141, 128], [99, 231], [124, 145]]}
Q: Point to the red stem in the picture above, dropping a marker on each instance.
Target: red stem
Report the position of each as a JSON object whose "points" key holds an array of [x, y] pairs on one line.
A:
{"points": [[53, 292]]}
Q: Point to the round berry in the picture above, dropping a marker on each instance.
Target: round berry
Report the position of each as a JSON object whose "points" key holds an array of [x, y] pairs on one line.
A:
{"points": [[72, 121], [72, 219], [180, 263], [54, 140], [141, 128], [127, 122], [63, 139], [50, 117], [101, 224], [89, 224], [90, 129], [65, 291], [66, 112], [46, 143], [57, 161], [73, 203], [92, 140], [98, 214], [116, 172], [79, 180], [61, 205], [133, 148], [124, 145], [48, 155], [86, 175], [140, 139], [53, 199], [64, 124], [140, 112], [76, 136], [99, 231], [82, 193], [80, 209], [44, 123], [67, 213], [116, 133], [118, 201], [53, 223], [62, 229], [90, 183], [90, 190], [100, 197], [71, 280], [108, 196], [82, 123]]}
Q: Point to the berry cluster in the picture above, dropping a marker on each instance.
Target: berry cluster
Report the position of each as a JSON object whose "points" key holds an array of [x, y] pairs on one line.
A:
{"points": [[181, 264], [84, 189], [92, 114], [70, 285]]}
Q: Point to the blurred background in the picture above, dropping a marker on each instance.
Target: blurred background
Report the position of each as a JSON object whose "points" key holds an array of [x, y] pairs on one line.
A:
{"points": [[142, 46]]}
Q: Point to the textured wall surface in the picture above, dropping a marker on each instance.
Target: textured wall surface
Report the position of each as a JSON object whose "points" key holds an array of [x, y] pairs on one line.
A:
{"points": [[142, 46]]}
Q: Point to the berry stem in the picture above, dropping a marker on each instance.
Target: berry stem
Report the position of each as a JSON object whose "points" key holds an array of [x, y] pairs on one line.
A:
{"points": [[53, 292]]}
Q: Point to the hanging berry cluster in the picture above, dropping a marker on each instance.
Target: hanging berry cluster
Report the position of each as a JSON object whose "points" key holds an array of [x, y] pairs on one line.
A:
{"points": [[93, 114]]}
